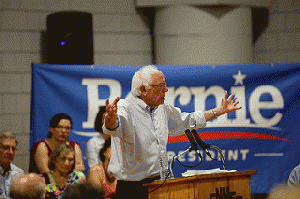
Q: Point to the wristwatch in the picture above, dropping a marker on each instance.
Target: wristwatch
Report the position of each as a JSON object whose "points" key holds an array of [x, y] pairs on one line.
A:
{"points": [[215, 113]]}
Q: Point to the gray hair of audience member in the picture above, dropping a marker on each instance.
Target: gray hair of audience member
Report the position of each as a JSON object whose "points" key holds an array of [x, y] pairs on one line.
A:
{"points": [[142, 77], [7, 134], [60, 150], [83, 190], [28, 186], [284, 191]]}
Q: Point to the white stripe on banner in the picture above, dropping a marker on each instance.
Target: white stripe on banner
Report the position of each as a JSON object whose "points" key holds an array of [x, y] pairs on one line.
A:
{"points": [[269, 154]]}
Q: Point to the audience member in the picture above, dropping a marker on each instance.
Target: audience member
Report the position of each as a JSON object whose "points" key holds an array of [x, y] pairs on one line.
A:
{"points": [[100, 175], [139, 127], [284, 191], [8, 171], [294, 177], [94, 145], [28, 186], [62, 174], [84, 190], [60, 128]]}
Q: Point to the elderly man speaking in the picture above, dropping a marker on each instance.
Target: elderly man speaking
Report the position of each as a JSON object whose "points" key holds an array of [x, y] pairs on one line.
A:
{"points": [[140, 126]]}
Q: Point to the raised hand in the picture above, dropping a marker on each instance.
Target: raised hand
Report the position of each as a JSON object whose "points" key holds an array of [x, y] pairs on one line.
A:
{"points": [[229, 104], [112, 114]]}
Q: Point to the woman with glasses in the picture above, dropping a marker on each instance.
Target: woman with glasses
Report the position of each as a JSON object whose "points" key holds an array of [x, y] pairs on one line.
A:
{"points": [[59, 131], [61, 174]]}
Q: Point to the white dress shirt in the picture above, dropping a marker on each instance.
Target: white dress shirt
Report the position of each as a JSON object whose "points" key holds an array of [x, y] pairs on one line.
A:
{"points": [[7, 177], [142, 135], [93, 147]]}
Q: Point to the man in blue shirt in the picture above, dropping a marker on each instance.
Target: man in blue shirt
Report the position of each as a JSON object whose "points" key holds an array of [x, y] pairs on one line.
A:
{"points": [[140, 126], [8, 171]]}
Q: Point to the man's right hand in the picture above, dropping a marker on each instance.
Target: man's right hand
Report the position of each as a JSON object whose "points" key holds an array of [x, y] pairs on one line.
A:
{"points": [[112, 114]]}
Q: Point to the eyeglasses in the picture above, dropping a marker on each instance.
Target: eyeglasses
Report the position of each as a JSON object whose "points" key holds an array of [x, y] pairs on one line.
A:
{"points": [[60, 128], [65, 158], [161, 86], [7, 148]]}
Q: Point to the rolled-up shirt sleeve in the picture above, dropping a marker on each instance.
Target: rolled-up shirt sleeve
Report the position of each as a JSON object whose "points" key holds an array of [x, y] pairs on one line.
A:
{"points": [[200, 119], [110, 132], [179, 121]]}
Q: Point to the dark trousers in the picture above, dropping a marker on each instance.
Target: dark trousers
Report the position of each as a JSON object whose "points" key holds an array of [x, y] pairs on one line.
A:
{"points": [[133, 189]]}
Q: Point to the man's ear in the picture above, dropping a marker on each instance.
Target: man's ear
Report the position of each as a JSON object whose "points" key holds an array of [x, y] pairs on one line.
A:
{"points": [[142, 89]]}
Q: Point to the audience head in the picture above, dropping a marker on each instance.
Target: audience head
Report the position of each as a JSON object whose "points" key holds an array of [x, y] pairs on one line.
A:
{"points": [[142, 77], [83, 190], [100, 119], [8, 144], [284, 191], [28, 186], [60, 127], [105, 151], [62, 159]]}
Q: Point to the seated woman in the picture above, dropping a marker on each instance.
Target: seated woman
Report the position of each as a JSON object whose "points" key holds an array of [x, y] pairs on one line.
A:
{"points": [[100, 175], [94, 145], [60, 128], [61, 175]]}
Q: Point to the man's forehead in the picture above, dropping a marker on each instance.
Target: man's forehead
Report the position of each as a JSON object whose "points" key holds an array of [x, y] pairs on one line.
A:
{"points": [[157, 76], [8, 141]]}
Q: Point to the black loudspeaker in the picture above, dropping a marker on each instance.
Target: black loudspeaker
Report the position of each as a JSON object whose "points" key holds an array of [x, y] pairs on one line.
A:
{"points": [[69, 38]]}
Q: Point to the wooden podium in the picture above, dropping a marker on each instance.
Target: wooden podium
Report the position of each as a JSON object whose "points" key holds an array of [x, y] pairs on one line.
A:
{"points": [[226, 185]]}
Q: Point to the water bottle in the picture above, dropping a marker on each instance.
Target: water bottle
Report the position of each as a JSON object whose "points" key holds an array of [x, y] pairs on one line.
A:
{"points": [[164, 172]]}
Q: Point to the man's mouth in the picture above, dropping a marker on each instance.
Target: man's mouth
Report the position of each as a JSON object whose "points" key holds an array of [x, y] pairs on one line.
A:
{"points": [[8, 157]]}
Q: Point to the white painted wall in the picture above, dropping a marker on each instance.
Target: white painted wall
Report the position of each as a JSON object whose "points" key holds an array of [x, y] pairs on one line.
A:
{"points": [[281, 40], [121, 37], [194, 35]]}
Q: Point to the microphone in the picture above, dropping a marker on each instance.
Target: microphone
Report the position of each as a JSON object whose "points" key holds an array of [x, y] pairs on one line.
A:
{"points": [[192, 141], [201, 143]]}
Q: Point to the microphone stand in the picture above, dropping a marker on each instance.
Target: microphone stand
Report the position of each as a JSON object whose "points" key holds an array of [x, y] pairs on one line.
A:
{"points": [[222, 158], [175, 158]]}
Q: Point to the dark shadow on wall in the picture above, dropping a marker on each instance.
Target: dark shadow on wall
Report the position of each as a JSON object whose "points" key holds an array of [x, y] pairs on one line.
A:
{"points": [[260, 21], [148, 16], [43, 48]]}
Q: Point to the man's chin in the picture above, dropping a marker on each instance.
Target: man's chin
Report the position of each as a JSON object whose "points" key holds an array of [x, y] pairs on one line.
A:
{"points": [[7, 162], [63, 140], [162, 101]]}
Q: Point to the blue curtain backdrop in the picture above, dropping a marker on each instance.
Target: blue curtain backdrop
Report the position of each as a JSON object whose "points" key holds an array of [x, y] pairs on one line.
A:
{"points": [[262, 136]]}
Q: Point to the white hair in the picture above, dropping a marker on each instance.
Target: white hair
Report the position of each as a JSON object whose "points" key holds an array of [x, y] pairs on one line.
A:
{"points": [[7, 134], [142, 77]]}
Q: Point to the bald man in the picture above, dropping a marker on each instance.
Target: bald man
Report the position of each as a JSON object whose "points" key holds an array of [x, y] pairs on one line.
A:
{"points": [[28, 186]]}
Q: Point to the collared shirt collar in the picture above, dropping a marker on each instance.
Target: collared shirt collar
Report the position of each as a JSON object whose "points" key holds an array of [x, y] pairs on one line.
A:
{"points": [[143, 105], [4, 172]]}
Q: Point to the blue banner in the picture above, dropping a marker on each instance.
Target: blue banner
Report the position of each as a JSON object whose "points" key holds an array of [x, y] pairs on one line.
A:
{"points": [[262, 136]]}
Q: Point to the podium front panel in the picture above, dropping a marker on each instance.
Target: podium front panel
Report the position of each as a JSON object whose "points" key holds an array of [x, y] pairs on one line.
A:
{"points": [[208, 186]]}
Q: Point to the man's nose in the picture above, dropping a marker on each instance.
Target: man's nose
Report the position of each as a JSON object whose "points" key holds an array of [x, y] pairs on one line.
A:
{"points": [[65, 131], [166, 89], [11, 150]]}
